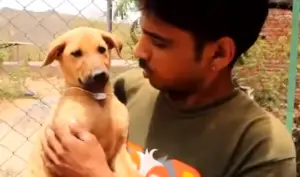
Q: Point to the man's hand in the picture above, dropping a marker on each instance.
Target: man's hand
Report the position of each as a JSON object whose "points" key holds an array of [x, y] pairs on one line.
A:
{"points": [[74, 152]]}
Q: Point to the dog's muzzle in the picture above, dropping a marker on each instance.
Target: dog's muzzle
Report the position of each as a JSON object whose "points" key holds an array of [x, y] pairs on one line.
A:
{"points": [[95, 81], [99, 76]]}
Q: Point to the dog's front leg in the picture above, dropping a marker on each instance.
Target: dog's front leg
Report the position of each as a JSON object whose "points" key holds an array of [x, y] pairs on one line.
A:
{"points": [[123, 164]]}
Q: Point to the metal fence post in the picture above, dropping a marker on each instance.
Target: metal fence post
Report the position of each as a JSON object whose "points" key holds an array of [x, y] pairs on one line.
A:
{"points": [[292, 77], [109, 15]]}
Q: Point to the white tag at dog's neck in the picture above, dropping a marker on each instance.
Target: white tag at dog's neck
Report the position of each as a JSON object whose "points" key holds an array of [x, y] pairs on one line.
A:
{"points": [[99, 96]]}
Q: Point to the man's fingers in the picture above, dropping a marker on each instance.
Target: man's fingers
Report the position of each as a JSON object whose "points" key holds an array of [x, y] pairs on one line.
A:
{"points": [[48, 154], [64, 137], [76, 128], [86, 137], [50, 165], [53, 143], [68, 137], [80, 132]]}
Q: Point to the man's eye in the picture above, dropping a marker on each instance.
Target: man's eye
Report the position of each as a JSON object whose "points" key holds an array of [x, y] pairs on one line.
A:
{"points": [[159, 43]]}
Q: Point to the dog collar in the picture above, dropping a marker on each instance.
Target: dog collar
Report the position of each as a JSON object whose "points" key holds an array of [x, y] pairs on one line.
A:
{"points": [[99, 96]]}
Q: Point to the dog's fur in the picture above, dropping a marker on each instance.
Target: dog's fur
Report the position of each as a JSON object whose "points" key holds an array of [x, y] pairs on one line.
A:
{"points": [[78, 54]]}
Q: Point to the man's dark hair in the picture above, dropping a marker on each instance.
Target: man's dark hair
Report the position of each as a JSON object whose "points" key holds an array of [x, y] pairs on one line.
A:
{"points": [[210, 20]]}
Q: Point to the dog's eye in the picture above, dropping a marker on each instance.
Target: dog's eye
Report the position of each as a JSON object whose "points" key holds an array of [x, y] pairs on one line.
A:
{"points": [[101, 49], [77, 53]]}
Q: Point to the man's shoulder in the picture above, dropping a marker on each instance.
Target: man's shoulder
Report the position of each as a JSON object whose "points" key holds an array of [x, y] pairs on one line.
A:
{"points": [[259, 137], [265, 140], [256, 124], [271, 130], [265, 145], [128, 83]]}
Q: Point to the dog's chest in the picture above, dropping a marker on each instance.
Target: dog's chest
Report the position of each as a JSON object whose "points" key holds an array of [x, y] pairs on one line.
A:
{"points": [[97, 118], [91, 114]]}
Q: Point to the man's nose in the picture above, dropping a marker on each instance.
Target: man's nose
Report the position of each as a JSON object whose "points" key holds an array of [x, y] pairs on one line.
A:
{"points": [[142, 50]]}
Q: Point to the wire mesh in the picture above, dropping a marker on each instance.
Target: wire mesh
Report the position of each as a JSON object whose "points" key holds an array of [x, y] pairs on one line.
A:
{"points": [[28, 92]]}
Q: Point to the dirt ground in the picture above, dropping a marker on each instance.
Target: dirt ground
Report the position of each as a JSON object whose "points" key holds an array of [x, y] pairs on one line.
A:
{"points": [[20, 119]]}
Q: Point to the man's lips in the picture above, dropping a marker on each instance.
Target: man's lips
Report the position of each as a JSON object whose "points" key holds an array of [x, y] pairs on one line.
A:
{"points": [[146, 70]]}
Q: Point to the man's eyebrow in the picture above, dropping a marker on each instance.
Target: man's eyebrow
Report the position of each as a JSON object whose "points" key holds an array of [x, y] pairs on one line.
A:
{"points": [[157, 36]]}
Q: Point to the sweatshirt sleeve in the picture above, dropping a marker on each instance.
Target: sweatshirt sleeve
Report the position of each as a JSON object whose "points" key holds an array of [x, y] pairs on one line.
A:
{"points": [[266, 150]]}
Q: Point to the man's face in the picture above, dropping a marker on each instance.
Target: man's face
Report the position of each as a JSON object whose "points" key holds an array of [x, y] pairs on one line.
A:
{"points": [[170, 59]]}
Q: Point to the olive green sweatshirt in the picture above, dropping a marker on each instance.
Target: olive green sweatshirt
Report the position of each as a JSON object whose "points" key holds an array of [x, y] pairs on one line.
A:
{"points": [[233, 137]]}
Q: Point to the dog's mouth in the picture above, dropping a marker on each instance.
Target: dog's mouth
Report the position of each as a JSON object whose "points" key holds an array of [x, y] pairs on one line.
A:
{"points": [[95, 82], [92, 87]]}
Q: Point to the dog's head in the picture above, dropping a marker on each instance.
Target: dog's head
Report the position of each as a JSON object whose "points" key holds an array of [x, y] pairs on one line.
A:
{"points": [[84, 57]]}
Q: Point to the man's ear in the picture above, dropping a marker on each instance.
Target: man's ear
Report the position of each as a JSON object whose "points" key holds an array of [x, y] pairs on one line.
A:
{"points": [[112, 42], [55, 51]]}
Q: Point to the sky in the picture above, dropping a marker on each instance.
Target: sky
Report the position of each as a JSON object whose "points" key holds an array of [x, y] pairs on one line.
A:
{"points": [[88, 8]]}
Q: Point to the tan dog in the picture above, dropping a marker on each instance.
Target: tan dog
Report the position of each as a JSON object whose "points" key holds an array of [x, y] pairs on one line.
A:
{"points": [[84, 57]]}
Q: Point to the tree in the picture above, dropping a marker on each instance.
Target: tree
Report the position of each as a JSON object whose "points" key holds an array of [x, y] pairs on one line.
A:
{"points": [[124, 7]]}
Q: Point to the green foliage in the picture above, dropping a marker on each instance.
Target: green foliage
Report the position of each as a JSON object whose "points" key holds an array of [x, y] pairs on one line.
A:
{"points": [[254, 69], [12, 87], [123, 7], [135, 31], [4, 55]]}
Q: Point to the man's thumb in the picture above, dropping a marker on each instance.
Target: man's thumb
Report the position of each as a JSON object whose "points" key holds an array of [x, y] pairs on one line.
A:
{"points": [[79, 131]]}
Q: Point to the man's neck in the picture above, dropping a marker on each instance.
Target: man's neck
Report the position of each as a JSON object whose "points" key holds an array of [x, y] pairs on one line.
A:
{"points": [[218, 90]]}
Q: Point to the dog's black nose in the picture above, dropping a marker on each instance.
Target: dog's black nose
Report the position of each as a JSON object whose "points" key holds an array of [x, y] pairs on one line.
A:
{"points": [[100, 76]]}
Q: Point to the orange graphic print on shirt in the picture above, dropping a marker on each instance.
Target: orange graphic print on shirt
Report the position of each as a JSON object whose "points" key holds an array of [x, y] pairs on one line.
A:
{"points": [[150, 167]]}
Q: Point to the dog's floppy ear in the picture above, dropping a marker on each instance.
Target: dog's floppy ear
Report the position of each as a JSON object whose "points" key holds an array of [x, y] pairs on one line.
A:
{"points": [[112, 42], [55, 51]]}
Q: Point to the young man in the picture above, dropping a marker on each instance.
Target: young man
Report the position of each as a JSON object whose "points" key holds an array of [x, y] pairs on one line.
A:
{"points": [[183, 103]]}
